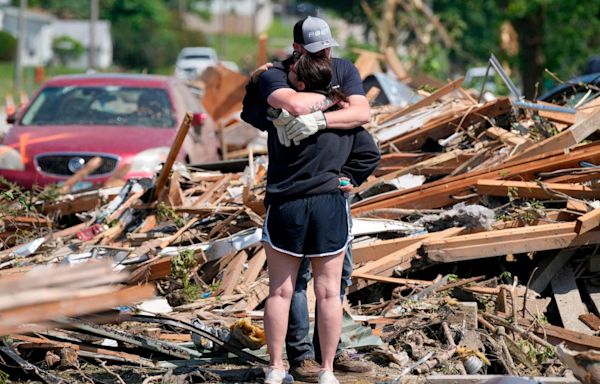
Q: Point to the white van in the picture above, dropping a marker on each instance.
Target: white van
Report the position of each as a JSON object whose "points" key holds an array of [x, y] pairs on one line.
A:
{"points": [[192, 61]]}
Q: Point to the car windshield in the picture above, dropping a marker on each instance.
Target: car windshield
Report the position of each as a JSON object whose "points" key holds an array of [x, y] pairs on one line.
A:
{"points": [[107, 105]]}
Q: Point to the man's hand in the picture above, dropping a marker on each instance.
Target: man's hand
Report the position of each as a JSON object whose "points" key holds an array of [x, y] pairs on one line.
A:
{"points": [[259, 71], [305, 125]]}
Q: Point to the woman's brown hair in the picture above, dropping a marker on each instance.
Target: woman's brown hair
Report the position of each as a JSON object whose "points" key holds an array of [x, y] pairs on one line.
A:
{"points": [[316, 72]]}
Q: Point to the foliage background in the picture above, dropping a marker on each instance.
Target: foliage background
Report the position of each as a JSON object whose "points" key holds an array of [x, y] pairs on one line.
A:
{"points": [[557, 35]]}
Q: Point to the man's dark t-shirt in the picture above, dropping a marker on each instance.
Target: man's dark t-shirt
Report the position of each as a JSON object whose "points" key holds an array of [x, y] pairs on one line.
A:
{"points": [[315, 165]]}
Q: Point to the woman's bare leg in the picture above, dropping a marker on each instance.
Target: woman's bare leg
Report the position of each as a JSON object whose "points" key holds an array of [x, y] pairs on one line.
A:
{"points": [[327, 273], [283, 270]]}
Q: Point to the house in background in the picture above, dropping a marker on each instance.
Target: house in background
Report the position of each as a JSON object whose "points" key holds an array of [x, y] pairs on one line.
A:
{"points": [[232, 17], [42, 28], [80, 31], [37, 49]]}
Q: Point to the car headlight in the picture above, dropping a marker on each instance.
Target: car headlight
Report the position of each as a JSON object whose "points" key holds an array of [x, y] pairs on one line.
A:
{"points": [[10, 158], [149, 160]]}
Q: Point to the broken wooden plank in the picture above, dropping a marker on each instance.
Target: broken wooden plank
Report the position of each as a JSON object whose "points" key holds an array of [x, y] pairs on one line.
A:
{"points": [[567, 138], [515, 246], [556, 116], [255, 267], [448, 88], [508, 137], [20, 319], [391, 280], [442, 192], [172, 156], [393, 63], [232, 275], [591, 320], [208, 194], [532, 189], [400, 259], [588, 221], [577, 205], [363, 253], [508, 241], [414, 140], [367, 63]]}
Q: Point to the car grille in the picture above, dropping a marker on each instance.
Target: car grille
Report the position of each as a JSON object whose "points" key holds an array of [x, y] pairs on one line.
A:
{"points": [[58, 164]]}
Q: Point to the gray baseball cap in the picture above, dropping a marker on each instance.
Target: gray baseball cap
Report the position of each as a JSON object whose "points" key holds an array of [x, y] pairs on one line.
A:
{"points": [[313, 34]]}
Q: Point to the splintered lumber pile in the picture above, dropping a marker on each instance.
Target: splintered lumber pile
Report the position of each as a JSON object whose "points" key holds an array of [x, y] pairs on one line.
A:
{"points": [[475, 252], [34, 299]]}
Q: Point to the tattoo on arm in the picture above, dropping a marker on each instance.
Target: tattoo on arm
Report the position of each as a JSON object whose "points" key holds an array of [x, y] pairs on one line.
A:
{"points": [[322, 105]]}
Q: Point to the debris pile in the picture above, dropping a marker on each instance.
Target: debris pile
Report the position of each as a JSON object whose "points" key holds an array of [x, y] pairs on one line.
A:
{"points": [[475, 255]]}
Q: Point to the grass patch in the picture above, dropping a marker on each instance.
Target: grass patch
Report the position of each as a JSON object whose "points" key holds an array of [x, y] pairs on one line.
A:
{"points": [[7, 78]]}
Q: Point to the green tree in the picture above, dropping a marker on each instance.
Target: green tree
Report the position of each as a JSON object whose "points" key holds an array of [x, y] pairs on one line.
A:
{"points": [[551, 34], [557, 35], [142, 38], [8, 46]]}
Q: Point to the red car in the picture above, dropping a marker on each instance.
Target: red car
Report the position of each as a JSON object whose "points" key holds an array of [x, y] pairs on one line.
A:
{"points": [[127, 120]]}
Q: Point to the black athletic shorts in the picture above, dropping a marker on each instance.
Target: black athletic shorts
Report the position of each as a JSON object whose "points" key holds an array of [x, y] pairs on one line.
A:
{"points": [[309, 226]]}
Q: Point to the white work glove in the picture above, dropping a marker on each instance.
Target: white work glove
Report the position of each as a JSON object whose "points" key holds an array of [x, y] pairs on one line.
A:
{"points": [[304, 126], [280, 122]]}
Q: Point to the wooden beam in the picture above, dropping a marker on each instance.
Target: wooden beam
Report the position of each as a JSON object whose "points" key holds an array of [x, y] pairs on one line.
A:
{"points": [[436, 130], [261, 55], [531, 189], [441, 193], [18, 319], [588, 221], [558, 117], [232, 275], [508, 137], [363, 253], [567, 138], [488, 237], [448, 88], [367, 63], [392, 280], [574, 339], [522, 243], [393, 63], [172, 156], [255, 267], [400, 259]]}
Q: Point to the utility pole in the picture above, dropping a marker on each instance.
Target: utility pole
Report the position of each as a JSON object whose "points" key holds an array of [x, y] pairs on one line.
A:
{"points": [[222, 34], [92, 44], [21, 31]]}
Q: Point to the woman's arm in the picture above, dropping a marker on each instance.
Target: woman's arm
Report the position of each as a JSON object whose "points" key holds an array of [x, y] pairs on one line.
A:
{"points": [[297, 103]]}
